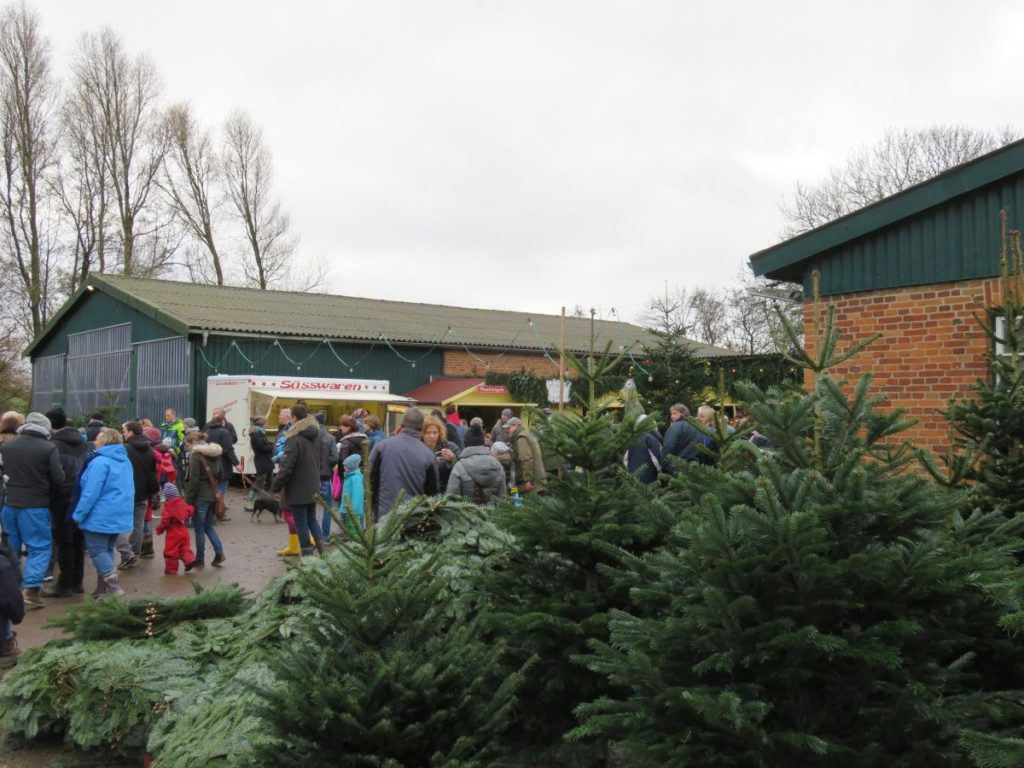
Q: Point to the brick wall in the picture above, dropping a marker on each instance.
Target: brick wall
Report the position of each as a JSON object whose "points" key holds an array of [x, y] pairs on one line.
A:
{"points": [[461, 363], [931, 349]]}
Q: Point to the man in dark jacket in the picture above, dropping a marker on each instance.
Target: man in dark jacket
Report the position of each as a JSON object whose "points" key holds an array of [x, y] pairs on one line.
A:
{"points": [[298, 477], [221, 432], [33, 472], [12, 607], [262, 458], [402, 464], [143, 460], [328, 461], [682, 439], [93, 427], [72, 450]]}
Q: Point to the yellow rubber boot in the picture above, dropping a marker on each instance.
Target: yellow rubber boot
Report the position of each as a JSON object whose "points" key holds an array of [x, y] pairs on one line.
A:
{"points": [[293, 546]]}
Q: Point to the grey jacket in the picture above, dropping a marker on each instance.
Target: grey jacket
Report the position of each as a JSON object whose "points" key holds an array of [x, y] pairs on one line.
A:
{"points": [[476, 467], [401, 464]]}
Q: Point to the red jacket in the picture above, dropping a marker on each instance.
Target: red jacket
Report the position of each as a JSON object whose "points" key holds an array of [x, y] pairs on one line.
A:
{"points": [[176, 513]]}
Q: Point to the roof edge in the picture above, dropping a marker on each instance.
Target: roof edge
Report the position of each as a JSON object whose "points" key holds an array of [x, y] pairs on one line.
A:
{"points": [[778, 260]]}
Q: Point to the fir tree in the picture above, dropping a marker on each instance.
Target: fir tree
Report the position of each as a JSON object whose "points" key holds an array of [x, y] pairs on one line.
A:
{"points": [[822, 606], [990, 425], [382, 670], [547, 595]]}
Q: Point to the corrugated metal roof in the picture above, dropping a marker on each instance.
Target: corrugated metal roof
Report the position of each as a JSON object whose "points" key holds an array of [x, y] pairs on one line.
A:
{"points": [[792, 259], [190, 307]]}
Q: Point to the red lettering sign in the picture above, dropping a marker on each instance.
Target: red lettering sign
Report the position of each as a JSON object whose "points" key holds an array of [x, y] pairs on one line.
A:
{"points": [[492, 389]]}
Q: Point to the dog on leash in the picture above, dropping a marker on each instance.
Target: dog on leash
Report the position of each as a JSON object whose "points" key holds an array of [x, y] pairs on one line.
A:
{"points": [[264, 502]]}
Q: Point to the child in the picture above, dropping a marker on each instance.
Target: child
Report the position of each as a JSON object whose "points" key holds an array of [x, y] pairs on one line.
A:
{"points": [[352, 488], [172, 520]]}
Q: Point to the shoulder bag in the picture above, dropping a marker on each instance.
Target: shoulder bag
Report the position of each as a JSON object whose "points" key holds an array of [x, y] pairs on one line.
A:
{"points": [[220, 508]]}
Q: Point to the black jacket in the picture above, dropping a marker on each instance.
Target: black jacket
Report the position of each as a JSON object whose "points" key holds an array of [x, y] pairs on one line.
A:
{"points": [[140, 454], [12, 605], [92, 429], [32, 468], [298, 472], [262, 451], [72, 449], [224, 436]]}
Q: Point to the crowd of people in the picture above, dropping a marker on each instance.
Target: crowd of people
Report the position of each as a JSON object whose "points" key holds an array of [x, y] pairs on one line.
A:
{"points": [[69, 492]]}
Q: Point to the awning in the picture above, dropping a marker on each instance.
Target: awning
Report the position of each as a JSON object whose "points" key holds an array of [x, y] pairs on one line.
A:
{"points": [[359, 397]]}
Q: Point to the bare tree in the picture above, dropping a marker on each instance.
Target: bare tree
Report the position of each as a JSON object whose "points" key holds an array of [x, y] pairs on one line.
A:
{"points": [[28, 137], [901, 159], [120, 95], [191, 173], [248, 175], [668, 315], [710, 320]]}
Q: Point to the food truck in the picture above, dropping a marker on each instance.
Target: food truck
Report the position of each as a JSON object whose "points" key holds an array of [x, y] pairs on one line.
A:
{"points": [[244, 398]]}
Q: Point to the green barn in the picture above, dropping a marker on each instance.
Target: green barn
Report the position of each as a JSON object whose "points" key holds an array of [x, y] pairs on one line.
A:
{"points": [[145, 345]]}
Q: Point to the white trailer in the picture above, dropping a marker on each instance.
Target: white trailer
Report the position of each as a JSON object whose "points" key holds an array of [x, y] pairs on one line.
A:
{"points": [[244, 398]]}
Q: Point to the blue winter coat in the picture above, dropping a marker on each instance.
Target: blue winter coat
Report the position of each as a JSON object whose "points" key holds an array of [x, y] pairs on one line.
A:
{"points": [[643, 458], [106, 492], [352, 492]]}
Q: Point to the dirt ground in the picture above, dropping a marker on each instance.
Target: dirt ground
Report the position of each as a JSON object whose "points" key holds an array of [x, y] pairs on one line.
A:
{"points": [[251, 563]]}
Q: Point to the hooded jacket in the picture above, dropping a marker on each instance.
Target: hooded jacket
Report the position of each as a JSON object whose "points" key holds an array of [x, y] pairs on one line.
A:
{"points": [[32, 468], [72, 450], [143, 459], [197, 485], [401, 464], [105, 496], [476, 467], [298, 471]]}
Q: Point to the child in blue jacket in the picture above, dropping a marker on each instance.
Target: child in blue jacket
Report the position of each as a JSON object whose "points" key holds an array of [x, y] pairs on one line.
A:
{"points": [[352, 488]]}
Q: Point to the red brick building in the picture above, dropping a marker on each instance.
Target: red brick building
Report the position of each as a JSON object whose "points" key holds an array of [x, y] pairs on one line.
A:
{"points": [[918, 267]]}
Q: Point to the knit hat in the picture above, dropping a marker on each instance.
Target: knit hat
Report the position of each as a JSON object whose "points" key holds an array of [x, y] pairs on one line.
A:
{"points": [[499, 447], [189, 422], [152, 434], [38, 419], [58, 419], [352, 461], [360, 413], [413, 419], [321, 418], [474, 436], [170, 491]]}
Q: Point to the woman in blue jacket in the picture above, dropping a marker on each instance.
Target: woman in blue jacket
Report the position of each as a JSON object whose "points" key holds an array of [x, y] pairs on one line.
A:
{"points": [[106, 500]]}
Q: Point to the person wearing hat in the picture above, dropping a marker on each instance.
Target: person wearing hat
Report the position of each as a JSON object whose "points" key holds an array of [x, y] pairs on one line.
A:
{"points": [[498, 433], [528, 473], [32, 467], [402, 465], [143, 461], [352, 490], [173, 520], [72, 449]]}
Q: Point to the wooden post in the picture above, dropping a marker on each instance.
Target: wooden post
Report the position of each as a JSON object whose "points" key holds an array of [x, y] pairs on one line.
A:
{"points": [[561, 365]]}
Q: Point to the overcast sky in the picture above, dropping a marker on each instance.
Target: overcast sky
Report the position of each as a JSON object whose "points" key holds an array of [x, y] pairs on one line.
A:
{"points": [[529, 155]]}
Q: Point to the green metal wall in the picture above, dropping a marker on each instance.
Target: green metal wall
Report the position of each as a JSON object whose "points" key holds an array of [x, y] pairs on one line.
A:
{"points": [[262, 356], [98, 310], [958, 240]]}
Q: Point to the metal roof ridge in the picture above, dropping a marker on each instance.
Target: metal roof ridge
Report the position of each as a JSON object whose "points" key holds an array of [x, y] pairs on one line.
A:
{"points": [[925, 194]]}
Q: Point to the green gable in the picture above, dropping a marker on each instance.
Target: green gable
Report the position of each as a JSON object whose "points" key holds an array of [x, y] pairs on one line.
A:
{"points": [[943, 230]]}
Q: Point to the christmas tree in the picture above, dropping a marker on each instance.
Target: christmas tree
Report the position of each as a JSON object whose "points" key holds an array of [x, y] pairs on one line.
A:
{"points": [[821, 606], [380, 670], [546, 593], [989, 426]]}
